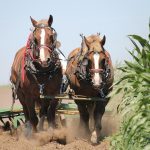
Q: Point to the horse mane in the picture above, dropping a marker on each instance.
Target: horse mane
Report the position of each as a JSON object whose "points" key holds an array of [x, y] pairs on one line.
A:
{"points": [[77, 52], [92, 38], [43, 21]]}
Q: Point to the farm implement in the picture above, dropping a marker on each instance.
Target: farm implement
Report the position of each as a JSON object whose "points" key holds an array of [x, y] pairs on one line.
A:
{"points": [[12, 118]]}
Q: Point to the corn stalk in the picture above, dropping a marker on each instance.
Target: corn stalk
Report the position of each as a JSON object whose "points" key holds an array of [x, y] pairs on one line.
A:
{"points": [[135, 105]]}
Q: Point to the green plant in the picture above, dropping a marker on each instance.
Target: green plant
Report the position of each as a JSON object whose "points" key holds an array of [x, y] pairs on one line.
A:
{"points": [[134, 132]]}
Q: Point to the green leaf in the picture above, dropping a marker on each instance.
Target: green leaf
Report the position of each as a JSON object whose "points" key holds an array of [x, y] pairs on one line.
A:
{"points": [[141, 40], [146, 76], [136, 58], [135, 104], [136, 46], [134, 66], [149, 29]]}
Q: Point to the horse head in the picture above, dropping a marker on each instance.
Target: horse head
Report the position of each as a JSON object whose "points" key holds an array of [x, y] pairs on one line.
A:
{"points": [[94, 62], [43, 41]]}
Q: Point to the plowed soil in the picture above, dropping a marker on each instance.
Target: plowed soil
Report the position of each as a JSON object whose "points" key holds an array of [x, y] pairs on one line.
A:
{"points": [[54, 140]]}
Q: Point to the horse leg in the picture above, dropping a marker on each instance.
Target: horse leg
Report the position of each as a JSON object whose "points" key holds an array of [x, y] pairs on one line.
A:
{"points": [[26, 114], [43, 113], [27, 131], [22, 100], [51, 113], [28, 127], [91, 108], [84, 118], [92, 122], [98, 113], [33, 120], [25, 111]]}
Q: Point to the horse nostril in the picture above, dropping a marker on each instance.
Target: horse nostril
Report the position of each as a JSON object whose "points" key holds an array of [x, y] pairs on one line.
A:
{"points": [[96, 84], [48, 59]]}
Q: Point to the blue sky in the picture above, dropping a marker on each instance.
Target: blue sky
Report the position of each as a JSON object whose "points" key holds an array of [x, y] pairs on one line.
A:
{"points": [[116, 19]]}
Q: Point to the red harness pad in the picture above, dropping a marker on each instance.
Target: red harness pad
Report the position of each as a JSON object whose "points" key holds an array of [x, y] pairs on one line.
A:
{"points": [[28, 46]]}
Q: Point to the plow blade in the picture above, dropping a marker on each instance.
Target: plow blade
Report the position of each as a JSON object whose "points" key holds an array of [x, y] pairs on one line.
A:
{"points": [[10, 118]]}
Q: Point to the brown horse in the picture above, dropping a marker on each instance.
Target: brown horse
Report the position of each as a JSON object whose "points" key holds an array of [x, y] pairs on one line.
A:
{"points": [[90, 73], [36, 71]]}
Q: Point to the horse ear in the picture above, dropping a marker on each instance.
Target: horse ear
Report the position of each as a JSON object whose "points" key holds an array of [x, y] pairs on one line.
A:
{"points": [[34, 22], [87, 42], [50, 20], [103, 40]]}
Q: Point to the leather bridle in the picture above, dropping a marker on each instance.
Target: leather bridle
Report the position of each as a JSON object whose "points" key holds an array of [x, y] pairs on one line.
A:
{"points": [[33, 45]]}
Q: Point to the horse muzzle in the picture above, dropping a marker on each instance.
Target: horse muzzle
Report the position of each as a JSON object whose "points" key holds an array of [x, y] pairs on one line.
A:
{"points": [[45, 63], [96, 87], [97, 84], [41, 64]]}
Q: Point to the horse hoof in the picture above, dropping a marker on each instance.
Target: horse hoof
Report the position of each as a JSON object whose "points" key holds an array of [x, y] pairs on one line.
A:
{"points": [[27, 133], [28, 130], [94, 138]]}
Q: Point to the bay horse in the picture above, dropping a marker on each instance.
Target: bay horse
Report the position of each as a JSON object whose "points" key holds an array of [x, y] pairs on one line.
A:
{"points": [[90, 73], [36, 70]]}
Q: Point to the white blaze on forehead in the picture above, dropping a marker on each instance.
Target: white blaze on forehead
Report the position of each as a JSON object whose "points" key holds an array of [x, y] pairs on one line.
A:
{"points": [[42, 53], [42, 36], [96, 66]]}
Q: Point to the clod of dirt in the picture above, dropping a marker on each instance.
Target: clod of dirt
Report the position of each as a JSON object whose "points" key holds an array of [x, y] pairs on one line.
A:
{"points": [[46, 137], [1, 130], [79, 145], [60, 136], [43, 138]]}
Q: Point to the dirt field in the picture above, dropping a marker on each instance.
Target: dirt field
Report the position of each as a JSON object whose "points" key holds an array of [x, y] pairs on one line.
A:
{"points": [[43, 140]]}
